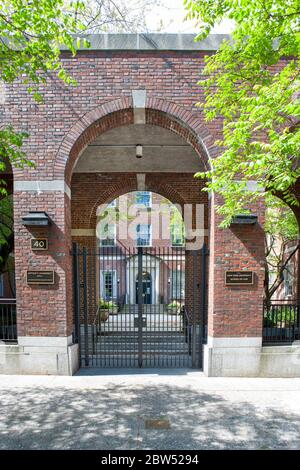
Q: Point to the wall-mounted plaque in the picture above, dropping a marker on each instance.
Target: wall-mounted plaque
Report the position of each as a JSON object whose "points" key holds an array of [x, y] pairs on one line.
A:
{"points": [[233, 278], [39, 244], [40, 277]]}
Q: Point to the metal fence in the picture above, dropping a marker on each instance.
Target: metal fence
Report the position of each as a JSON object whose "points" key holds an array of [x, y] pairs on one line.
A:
{"points": [[281, 322], [140, 306], [8, 320]]}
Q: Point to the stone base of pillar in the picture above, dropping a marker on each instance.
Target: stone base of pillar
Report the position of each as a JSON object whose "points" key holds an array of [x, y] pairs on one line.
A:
{"points": [[232, 357], [246, 357], [40, 356]]}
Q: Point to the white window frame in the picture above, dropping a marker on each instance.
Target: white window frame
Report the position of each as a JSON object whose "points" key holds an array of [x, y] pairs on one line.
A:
{"points": [[142, 203], [114, 283], [104, 239], [138, 237], [172, 239]]}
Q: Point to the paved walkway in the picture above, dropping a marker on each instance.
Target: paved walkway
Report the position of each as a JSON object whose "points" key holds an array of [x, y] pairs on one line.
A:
{"points": [[91, 411]]}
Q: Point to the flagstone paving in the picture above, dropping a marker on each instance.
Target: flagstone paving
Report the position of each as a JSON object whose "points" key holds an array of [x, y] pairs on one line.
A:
{"points": [[148, 410]]}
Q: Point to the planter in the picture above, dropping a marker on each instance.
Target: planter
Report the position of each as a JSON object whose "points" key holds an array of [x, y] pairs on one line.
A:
{"points": [[114, 310], [104, 314], [173, 311]]}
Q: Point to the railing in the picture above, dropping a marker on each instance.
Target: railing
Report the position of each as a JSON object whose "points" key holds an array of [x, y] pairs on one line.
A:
{"points": [[281, 322], [8, 320]]}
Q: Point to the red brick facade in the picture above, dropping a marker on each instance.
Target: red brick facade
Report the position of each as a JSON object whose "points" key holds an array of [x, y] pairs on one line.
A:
{"points": [[71, 118]]}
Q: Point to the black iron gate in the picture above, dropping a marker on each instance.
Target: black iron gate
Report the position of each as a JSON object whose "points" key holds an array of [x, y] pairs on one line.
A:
{"points": [[140, 307]]}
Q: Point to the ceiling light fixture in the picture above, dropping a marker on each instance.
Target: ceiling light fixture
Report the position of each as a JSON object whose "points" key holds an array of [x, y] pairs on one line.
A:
{"points": [[138, 151]]}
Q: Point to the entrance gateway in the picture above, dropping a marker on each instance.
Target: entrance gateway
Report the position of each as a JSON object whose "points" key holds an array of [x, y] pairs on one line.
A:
{"points": [[140, 329], [83, 142]]}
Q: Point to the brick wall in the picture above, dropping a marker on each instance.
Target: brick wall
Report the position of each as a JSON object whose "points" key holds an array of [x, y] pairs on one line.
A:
{"points": [[71, 118]]}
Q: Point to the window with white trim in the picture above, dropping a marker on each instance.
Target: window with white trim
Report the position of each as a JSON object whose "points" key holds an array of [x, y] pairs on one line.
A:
{"points": [[108, 235], [108, 285], [143, 198], [144, 235], [177, 234]]}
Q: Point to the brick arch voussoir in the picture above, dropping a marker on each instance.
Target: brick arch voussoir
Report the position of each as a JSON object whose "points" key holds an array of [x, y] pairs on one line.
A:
{"points": [[107, 116], [129, 185], [120, 112], [124, 186], [183, 122]]}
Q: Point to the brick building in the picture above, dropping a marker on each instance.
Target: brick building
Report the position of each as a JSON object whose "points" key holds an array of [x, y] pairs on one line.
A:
{"points": [[134, 91]]}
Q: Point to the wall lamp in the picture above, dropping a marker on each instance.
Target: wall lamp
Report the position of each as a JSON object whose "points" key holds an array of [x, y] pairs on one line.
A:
{"points": [[138, 151], [244, 219], [36, 219]]}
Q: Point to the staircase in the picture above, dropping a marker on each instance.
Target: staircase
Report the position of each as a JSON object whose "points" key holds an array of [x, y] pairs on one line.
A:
{"points": [[159, 349]]}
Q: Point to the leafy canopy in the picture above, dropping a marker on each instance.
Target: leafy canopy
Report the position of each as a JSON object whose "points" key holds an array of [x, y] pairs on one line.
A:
{"points": [[31, 33], [252, 84]]}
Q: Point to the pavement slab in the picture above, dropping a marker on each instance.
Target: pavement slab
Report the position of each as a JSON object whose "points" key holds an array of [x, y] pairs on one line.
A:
{"points": [[96, 410]]}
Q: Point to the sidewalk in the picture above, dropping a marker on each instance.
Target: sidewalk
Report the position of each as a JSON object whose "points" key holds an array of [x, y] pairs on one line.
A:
{"points": [[148, 410]]}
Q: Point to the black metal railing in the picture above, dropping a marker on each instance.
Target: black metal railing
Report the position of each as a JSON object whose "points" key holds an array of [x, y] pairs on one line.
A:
{"points": [[281, 322], [8, 320]]}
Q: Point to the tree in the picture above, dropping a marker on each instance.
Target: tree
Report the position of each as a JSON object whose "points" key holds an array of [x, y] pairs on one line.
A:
{"points": [[116, 16], [281, 229], [31, 32], [252, 84]]}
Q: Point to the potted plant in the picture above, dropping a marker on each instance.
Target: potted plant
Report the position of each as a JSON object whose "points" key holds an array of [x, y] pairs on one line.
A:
{"points": [[173, 308], [103, 309], [113, 307]]}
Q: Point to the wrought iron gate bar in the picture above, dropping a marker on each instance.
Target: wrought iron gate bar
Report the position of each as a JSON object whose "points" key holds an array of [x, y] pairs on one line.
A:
{"points": [[140, 306]]}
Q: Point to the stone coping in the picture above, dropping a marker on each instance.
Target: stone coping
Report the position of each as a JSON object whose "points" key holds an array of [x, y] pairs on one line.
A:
{"points": [[153, 41]]}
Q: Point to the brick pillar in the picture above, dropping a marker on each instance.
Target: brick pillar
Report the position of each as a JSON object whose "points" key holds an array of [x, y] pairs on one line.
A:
{"points": [[44, 312], [235, 312]]}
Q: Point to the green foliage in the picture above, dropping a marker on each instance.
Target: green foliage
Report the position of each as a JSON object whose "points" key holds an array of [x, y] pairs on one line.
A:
{"points": [[106, 304], [32, 32], [280, 220], [285, 316], [6, 231], [257, 100]]}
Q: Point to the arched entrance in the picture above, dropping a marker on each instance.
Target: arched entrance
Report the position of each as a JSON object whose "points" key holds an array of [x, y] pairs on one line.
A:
{"points": [[156, 313]]}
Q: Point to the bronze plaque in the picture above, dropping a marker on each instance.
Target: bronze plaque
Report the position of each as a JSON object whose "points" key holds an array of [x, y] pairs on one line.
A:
{"points": [[233, 278], [40, 277], [39, 244], [157, 423]]}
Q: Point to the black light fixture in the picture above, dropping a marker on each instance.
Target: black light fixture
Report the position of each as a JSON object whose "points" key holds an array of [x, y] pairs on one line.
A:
{"points": [[244, 219], [36, 219], [138, 150]]}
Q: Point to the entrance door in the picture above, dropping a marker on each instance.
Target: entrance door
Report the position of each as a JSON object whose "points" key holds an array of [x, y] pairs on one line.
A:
{"points": [[121, 319], [146, 288]]}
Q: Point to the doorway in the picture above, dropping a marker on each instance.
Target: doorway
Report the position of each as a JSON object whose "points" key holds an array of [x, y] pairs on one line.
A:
{"points": [[146, 288]]}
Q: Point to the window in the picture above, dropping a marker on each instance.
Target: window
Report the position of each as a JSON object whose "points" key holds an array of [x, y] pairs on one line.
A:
{"points": [[143, 198], [178, 284], [289, 276], [1, 285], [143, 235], [108, 286], [177, 234], [108, 235]]}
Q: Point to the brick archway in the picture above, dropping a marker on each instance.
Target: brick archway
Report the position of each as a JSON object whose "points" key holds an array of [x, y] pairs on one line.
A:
{"points": [[120, 112], [109, 187]]}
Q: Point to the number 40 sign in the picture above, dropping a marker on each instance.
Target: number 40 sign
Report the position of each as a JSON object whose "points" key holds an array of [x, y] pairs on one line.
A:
{"points": [[39, 243]]}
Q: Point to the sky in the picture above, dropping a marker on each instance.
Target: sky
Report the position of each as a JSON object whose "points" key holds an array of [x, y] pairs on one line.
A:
{"points": [[172, 14]]}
